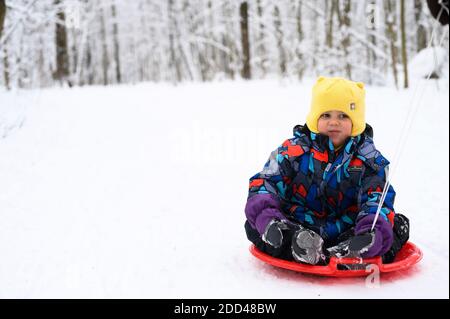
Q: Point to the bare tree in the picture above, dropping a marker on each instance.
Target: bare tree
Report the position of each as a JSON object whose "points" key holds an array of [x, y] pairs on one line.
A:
{"points": [[243, 13], [371, 56], [344, 24], [177, 40], [174, 61], [62, 59], [301, 36], [315, 40], [211, 50], [116, 43], [330, 53], [421, 32], [105, 60], [260, 49], [403, 35], [229, 57], [392, 35], [5, 57], [279, 36], [331, 12], [2, 15]]}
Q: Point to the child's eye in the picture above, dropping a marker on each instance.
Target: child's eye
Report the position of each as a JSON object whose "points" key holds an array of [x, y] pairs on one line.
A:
{"points": [[343, 116], [325, 116]]}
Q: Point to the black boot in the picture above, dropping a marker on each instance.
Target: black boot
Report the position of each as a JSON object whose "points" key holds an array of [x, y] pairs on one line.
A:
{"points": [[401, 236]]}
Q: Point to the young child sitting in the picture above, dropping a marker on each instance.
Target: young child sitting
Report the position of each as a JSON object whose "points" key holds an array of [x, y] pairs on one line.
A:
{"points": [[318, 193]]}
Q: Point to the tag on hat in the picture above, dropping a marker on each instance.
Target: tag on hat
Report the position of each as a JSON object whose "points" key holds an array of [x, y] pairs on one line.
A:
{"points": [[352, 106]]}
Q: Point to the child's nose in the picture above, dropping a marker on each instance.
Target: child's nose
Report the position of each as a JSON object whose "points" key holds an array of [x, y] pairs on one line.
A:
{"points": [[334, 122]]}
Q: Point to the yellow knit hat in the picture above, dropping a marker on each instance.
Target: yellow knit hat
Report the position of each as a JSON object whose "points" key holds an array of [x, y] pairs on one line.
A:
{"points": [[338, 94]]}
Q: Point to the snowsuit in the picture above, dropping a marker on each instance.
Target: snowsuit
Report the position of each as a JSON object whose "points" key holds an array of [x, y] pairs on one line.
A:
{"points": [[306, 181]]}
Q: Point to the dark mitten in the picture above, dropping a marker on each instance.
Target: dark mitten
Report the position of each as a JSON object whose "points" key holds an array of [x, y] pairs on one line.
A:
{"points": [[273, 235], [307, 247], [355, 246]]}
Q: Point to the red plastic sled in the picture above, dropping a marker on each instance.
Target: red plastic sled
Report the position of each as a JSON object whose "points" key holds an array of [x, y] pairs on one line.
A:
{"points": [[408, 256]]}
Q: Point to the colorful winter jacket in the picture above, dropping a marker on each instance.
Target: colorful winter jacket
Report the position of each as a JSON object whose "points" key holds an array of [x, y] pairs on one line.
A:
{"points": [[305, 180]]}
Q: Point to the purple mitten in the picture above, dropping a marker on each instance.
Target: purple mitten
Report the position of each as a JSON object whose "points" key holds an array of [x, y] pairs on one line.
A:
{"points": [[384, 236], [261, 209]]}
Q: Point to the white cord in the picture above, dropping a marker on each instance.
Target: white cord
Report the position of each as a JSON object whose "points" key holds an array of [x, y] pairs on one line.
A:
{"points": [[407, 124]]}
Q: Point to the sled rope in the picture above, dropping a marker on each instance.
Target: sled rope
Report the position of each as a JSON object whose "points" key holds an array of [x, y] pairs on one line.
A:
{"points": [[401, 142]]}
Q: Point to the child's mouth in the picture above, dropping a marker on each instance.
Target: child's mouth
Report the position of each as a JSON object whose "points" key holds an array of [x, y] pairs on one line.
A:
{"points": [[334, 132]]}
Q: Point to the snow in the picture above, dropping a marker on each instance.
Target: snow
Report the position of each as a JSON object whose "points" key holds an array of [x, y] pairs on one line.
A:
{"points": [[139, 191], [429, 60]]}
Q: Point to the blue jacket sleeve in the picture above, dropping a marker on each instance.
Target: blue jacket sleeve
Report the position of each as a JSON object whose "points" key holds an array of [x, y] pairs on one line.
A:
{"points": [[274, 177], [268, 187]]}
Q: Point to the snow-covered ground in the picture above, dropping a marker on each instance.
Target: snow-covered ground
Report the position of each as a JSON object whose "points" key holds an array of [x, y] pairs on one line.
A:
{"points": [[139, 191]]}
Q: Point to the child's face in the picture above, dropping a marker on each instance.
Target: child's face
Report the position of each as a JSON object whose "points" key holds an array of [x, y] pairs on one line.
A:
{"points": [[336, 125]]}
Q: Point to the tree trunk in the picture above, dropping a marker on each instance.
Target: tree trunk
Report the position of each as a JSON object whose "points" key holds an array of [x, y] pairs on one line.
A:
{"points": [[261, 50], [421, 32], [228, 58], [212, 55], [371, 55], [5, 58], [330, 54], [392, 36], [174, 60], [6, 68], [316, 43], [62, 56], [344, 23], [116, 43], [246, 70], [404, 54], [301, 64], [329, 35], [2, 15], [279, 37], [89, 66], [105, 60]]}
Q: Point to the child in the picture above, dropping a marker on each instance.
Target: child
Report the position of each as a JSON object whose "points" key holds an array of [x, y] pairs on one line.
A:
{"points": [[319, 191]]}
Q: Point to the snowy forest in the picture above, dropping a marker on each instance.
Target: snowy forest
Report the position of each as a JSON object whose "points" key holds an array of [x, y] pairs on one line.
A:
{"points": [[90, 42]]}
